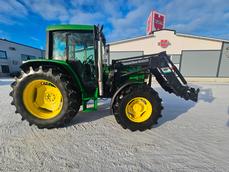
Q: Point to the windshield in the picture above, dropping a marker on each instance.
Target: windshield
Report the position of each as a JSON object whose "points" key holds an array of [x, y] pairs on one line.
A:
{"points": [[74, 45]]}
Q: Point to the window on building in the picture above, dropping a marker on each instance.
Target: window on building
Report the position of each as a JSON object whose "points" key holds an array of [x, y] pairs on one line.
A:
{"points": [[25, 57], [3, 54], [12, 48], [5, 69]]}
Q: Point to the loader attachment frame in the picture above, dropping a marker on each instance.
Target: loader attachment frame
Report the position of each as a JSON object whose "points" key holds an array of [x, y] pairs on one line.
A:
{"points": [[165, 72]]}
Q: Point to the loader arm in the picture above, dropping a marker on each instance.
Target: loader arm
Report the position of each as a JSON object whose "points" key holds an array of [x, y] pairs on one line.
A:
{"points": [[165, 72]]}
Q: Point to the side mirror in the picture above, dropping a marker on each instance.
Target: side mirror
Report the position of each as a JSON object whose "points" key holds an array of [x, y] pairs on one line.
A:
{"points": [[101, 29]]}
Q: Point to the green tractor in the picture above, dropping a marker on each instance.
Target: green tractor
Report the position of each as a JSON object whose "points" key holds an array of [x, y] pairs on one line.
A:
{"points": [[49, 92]]}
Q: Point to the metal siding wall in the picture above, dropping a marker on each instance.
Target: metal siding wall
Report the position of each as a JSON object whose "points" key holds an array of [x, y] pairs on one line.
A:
{"points": [[14, 56], [175, 58], [224, 65], [200, 63], [123, 54]]}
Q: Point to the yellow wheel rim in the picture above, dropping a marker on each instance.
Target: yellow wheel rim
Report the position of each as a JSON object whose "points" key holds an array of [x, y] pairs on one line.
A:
{"points": [[43, 99], [138, 109]]}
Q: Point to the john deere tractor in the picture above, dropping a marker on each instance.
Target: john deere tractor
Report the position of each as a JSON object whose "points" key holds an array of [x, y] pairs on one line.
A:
{"points": [[49, 92]]}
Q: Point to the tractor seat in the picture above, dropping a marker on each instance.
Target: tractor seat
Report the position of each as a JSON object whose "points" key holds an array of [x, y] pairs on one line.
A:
{"points": [[85, 75]]}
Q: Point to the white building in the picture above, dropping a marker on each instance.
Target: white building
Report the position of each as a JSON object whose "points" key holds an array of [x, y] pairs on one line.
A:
{"points": [[12, 54], [195, 56]]}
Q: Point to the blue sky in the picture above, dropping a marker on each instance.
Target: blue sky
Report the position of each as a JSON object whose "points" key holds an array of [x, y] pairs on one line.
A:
{"points": [[25, 21]]}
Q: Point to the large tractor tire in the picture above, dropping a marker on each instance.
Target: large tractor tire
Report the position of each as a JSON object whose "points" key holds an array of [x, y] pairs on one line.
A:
{"points": [[137, 107], [45, 97]]}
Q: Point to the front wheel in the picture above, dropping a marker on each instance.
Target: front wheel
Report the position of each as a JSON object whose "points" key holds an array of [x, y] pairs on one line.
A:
{"points": [[137, 108]]}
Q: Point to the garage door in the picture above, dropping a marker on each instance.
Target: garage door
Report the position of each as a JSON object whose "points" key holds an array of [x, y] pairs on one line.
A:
{"points": [[114, 55], [224, 65], [200, 63]]}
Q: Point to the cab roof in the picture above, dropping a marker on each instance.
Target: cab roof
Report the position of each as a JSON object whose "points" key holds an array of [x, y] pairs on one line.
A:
{"points": [[70, 27]]}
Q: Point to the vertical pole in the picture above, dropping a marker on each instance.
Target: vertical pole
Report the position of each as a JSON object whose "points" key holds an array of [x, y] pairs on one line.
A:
{"points": [[180, 60], [220, 59], [67, 47], [108, 54], [47, 52], [100, 66]]}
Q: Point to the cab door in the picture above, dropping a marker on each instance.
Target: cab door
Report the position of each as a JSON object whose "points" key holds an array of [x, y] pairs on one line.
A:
{"points": [[81, 56]]}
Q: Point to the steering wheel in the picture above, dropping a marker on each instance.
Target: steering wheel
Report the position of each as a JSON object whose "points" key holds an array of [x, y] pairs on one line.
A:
{"points": [[89, 66], [89, 60]]}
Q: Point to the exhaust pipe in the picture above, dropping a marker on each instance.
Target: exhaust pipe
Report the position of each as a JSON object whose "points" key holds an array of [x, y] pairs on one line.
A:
{"points": [[100, 65]]}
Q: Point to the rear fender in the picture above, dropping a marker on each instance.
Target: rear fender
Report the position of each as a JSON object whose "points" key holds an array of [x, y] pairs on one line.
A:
{"points": [[61, 65]]}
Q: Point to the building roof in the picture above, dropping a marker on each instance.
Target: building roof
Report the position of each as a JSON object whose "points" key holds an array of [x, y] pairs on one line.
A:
{"points": [[70, 27], [178, 34], [2, 39]]}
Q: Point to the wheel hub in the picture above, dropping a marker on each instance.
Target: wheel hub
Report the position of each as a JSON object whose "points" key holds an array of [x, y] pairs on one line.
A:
{"points": [[48, 97], [138, 109]]}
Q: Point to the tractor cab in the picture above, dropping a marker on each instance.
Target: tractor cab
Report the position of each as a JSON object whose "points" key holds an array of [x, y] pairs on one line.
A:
{"points": [[79, 46]]}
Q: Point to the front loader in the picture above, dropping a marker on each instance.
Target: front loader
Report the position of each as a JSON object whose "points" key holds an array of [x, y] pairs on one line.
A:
{"points": [[49, 92]]}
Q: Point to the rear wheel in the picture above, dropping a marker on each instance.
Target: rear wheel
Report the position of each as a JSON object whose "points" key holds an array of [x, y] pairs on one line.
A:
{"points": [[137, 108], [45, 97]]}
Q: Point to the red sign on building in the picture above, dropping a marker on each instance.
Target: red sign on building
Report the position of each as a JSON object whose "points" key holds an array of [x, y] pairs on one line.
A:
{"points": [[164, 43], [155, 21]]}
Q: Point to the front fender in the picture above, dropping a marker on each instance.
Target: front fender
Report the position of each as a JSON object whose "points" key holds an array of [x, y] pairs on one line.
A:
{"points": [[119, 90]]}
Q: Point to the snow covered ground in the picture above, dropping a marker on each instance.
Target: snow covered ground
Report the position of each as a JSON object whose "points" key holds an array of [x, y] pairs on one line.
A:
{"points": [[189, 137]]}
